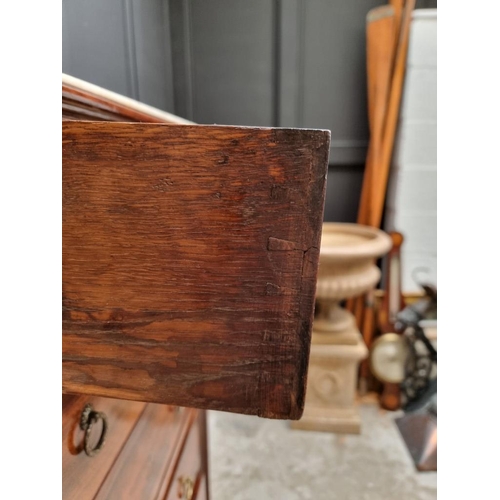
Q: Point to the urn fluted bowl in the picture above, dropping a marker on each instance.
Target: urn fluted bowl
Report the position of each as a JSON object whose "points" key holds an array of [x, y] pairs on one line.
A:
{"points": [[347, 259]]}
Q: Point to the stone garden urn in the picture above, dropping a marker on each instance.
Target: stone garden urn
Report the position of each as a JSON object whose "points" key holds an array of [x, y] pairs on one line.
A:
{"points": [[347, 269]]}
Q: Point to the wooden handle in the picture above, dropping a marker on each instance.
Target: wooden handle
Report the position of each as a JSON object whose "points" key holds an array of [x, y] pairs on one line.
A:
{"points": [[391, 120], [390, 397], [367, 332], [380, 32], [393, 300]]}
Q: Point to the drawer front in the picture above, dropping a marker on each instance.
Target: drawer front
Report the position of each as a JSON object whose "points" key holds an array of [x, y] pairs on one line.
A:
{"points": [[188, 479], [83, 475], [140, 469]]}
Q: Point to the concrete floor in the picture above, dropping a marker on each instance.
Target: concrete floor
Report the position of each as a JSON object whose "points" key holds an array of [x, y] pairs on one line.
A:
{"points": [[260, 459]]}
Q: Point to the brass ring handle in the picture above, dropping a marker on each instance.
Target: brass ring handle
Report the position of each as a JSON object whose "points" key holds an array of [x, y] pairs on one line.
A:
{"points": [[186, 488], [87, 419]]}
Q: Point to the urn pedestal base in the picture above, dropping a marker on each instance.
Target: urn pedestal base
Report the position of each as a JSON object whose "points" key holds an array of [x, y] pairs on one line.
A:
{"points": [[338, 420], [331, 386]]}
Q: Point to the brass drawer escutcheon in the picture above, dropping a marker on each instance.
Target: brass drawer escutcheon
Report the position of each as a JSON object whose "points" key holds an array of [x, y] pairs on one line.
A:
{"points": [[186, 488], [88, 418]]}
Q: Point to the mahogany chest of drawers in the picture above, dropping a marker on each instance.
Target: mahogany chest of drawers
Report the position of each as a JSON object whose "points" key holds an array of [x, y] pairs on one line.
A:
{"points": [[151, 451]]}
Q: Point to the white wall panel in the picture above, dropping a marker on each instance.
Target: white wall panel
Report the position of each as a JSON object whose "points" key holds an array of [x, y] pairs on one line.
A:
{"points": [[412, 193]]}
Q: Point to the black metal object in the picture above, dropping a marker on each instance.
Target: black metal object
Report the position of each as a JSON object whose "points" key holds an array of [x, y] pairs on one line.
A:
{"points": [[418, 426], [419, 431], [418, 388]]}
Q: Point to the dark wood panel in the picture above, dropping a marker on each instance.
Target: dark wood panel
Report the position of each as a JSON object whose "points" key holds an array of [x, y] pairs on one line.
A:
{"points": [[189, 263], [140, 469], [83, 475]]}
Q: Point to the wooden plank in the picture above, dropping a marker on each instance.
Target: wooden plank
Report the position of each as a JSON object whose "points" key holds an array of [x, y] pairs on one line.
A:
{"points": [[83, 475], [380, 29], [381, 144], [376, 207], [380, 33], [190, 256]]}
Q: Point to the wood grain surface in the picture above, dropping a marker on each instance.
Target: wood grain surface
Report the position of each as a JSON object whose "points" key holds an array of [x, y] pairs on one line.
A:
{"points": [[190, 256]]}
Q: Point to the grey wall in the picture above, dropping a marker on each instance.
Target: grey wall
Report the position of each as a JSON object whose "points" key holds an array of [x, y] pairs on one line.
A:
{"points": [[297, 63], [121, 45]]}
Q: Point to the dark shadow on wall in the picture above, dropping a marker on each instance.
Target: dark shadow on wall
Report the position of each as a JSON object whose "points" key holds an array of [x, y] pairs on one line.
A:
{"points": [[343, 191]]}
